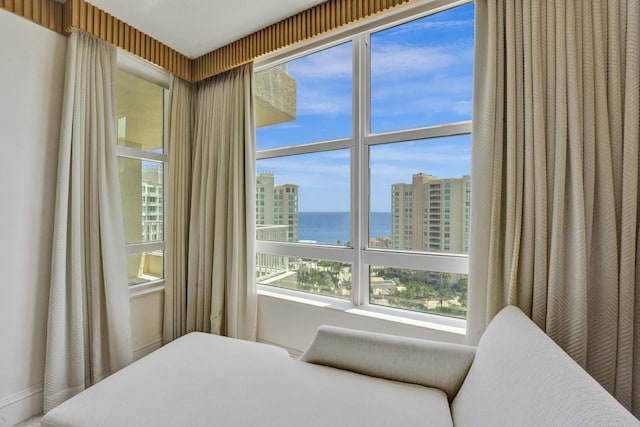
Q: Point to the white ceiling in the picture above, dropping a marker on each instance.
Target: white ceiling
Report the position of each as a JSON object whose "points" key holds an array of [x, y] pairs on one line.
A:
{"points": [[195, 27]]}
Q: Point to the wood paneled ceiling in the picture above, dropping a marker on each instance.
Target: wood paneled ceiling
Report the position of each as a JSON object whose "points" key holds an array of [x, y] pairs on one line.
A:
{"points": [[196, 27]]}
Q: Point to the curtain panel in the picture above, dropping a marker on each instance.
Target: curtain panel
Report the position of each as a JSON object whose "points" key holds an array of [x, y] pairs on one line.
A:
{"points": [[180, 124], [89, 329], [555, 177], [212, 282]]}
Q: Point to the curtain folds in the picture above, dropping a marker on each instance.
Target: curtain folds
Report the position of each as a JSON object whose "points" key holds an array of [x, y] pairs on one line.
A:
{"points": [[555, 177], [180, 123], [212, 284], [89, 330]]}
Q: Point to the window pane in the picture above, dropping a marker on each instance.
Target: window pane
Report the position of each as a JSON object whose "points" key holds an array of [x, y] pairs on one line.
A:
{"points": [[423, 188], [305, 100], [140, 112], [329, 278], [141, 190], [304, 198], [421, 71], [145, 267], [418, 290]]}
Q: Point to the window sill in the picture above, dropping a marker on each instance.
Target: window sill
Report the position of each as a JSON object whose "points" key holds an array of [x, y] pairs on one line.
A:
{"points": [[142, 289], [433, 322]]}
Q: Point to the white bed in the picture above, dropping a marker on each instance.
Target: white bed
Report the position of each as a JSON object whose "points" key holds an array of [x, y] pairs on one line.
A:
{"points": [[517, 376], [207, 380]]}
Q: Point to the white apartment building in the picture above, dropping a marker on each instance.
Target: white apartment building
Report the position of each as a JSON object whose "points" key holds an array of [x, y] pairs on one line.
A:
{"points": [[276, 205], [276, 220], [431, 214], [152, 203]]}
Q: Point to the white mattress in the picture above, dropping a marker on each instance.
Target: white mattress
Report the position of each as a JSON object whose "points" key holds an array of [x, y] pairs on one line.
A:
{"points": [[207, 380]]}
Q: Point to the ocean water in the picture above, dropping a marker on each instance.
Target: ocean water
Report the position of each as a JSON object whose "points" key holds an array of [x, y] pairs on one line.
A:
{"points": [[333, 227]]}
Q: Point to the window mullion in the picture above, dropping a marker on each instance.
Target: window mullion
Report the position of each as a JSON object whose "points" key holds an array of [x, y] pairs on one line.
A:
{"points": [[314, 147], [139, 154], [429, 132], [360, 168], [441, 262], [133, 248], [166, 214], [365, 129], [356, 280]]}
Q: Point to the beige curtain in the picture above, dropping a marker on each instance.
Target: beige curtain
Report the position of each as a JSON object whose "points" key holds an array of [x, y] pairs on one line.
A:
{"points": [[217, 292], [555, 177], [89, 331], [180, 124]]}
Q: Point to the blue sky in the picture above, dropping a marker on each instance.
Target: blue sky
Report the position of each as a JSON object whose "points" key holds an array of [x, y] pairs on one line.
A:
{"points": [[421, 75]]}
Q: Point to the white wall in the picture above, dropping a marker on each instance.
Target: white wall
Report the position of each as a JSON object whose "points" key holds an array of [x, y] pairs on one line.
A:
{"points": [[147, 310], [31, 80]]}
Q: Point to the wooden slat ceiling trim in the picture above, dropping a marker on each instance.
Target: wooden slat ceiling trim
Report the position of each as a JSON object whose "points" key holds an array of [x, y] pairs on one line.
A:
{"points": [[305, 25], [88, 18], [310, 23], [47, 13]]}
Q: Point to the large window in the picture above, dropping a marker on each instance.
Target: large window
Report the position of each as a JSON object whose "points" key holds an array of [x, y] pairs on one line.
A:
{"points": [[140, 113], [364, 158]]}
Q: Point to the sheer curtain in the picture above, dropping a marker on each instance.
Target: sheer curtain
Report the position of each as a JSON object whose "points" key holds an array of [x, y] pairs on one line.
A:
{"points": [[217, 292], [89, 332], [555, 177]]}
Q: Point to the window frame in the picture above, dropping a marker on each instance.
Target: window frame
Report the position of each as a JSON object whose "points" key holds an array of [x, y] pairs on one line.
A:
{"points": [[156, 75], [360, 255]]}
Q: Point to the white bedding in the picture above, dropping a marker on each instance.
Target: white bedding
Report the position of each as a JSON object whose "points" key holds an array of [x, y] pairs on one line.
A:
{"points": [[207, 380]]}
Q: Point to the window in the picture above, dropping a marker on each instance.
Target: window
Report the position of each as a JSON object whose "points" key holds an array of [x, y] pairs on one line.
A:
{"points": [[140, 109], [373, 136]]}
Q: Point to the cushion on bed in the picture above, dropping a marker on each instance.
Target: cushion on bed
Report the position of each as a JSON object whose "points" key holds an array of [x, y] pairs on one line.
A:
{"points": [[428, 363], [520, 377]]}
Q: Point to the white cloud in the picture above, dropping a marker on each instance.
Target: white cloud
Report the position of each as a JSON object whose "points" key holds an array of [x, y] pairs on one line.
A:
{"points": [[392, 163], [322, 170], [437, 95], [289, 125], [323, 102], [324, 82], [400, 62], [403, 61], [462, 108], [327, 64]]}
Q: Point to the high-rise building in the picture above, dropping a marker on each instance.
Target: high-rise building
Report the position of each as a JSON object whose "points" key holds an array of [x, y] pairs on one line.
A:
{"points": [[152, 202], [431, 214], [276, 220], [276, 205], [264, 198]]}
